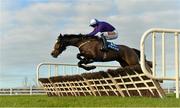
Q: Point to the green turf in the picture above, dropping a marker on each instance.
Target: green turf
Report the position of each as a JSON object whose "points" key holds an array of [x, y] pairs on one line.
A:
{"points": [[89, 101]]}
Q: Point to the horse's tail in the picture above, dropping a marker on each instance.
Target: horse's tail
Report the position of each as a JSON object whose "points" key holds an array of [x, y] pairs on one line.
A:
{"points": [[139, 54]]}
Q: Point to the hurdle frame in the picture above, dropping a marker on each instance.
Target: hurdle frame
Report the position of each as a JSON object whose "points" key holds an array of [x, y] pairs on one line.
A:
{"points": [[176, 33], [49, 64]]}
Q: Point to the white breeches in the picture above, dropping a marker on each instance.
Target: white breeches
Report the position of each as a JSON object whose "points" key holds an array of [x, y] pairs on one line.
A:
{"points": [[110, 35]]}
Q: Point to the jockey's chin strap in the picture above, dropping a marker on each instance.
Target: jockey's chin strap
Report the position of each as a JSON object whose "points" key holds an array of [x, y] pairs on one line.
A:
{"points": [[83, 44]]}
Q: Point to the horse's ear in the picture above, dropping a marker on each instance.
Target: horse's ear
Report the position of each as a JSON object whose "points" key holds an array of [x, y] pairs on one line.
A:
{"points": [[60, 35]]}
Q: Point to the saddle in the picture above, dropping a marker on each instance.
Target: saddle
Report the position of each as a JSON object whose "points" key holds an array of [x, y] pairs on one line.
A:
{"points": [[112, 46]]}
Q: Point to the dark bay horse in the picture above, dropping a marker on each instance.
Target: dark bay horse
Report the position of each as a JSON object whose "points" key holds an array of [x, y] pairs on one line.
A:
{"points": [[90, 52]]}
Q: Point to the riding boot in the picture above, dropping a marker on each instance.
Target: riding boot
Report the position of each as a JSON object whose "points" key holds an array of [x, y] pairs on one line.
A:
{"points": [[104, 48]]}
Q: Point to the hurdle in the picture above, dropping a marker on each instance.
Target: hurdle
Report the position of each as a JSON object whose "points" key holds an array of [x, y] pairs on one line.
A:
{"points": [[124, 82], [131, 81], [164, 32]]}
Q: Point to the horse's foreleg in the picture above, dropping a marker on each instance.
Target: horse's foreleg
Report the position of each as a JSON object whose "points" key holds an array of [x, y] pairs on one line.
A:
{"points": [[79, 56], [81, 62], [87, 61], [83, 59], [81, 65]]}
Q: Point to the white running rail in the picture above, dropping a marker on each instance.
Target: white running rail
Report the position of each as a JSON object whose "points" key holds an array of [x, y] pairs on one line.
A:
{"points": [[153, 31], [22, 91]]}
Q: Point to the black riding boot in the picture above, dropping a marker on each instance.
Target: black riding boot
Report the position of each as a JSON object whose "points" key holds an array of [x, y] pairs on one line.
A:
{"points": [[104, 48]]}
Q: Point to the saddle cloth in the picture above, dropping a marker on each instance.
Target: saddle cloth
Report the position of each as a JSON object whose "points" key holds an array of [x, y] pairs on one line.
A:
{"points": [[113, 46]]}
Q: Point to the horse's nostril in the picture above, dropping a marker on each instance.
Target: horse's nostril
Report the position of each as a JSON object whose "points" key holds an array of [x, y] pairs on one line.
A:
{"points": [[52, 53]]}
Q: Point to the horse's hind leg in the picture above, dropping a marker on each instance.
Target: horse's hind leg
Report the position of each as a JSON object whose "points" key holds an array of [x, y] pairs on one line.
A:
{"points": [[130, 57], [122, 63], [138, 54], [149, 63]]}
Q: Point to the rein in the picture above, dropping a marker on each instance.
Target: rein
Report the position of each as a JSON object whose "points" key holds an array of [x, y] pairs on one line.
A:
{"points": [[83, 44]]}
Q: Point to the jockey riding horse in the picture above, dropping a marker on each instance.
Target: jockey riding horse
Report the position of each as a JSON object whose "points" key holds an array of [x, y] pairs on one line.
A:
{"points": [[91, 50], [106, 30]]}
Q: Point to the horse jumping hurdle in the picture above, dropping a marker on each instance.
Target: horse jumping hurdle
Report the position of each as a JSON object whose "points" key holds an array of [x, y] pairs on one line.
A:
{"points": [[130, 81]]}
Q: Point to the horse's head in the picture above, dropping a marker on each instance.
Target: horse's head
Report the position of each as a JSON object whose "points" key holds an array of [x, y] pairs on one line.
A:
{"points": [[59, 46]]}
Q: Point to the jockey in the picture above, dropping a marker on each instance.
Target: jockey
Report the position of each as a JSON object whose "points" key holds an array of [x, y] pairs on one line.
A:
{"points": [[106, 30]]}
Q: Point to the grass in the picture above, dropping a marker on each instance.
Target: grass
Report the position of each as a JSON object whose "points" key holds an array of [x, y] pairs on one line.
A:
{"points": [[89, 101]]}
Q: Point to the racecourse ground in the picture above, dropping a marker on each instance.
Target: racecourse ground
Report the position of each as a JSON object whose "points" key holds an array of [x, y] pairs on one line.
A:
{"points": [[89, 101]]}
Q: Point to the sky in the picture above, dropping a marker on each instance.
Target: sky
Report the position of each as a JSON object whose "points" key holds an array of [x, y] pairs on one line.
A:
{"points": [[29, 29]]}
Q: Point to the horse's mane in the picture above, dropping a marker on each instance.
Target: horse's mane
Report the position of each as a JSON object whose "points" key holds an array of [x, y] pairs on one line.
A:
{"points": [[83, 36]]}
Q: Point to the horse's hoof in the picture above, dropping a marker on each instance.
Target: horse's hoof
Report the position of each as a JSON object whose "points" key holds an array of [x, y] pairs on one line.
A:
{"points": [[93, 67], [90, 68]]}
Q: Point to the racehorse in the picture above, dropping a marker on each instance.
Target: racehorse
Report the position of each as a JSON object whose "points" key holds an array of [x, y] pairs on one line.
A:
{"points": [[90, 51]]}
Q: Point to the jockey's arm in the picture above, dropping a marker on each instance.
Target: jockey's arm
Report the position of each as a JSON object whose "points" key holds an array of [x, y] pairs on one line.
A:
{"points": [[94, 32]]}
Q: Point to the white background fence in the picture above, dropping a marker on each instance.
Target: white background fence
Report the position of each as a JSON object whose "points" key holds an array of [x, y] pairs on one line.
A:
{"points": [[22, 91]]}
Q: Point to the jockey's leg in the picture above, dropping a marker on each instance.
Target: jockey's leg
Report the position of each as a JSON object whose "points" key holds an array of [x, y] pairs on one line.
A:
{"points": [[104, 48], [108, 36]]}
